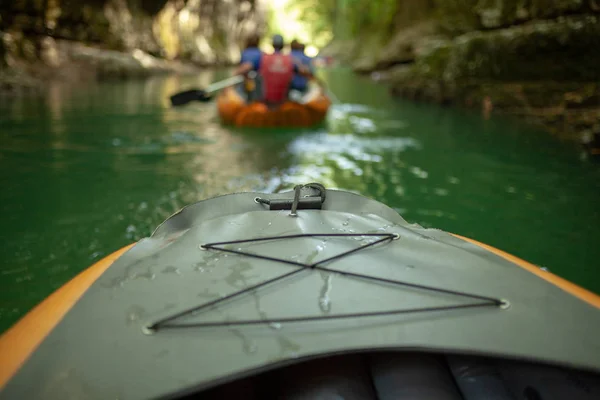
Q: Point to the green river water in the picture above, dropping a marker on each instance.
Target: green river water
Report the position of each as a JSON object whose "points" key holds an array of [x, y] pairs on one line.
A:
{"points": [[88, 169]]}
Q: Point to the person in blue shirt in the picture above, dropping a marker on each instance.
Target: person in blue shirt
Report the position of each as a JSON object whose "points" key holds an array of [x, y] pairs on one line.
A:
{"points": [[252, 53], [250, 61], [300, 82]]}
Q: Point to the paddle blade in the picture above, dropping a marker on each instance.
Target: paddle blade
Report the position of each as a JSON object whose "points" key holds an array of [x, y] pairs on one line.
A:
{"points": [[188, 96]]}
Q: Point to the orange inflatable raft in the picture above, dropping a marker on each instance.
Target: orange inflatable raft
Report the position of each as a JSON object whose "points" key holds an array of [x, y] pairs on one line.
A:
{"points": [[309, 111]]}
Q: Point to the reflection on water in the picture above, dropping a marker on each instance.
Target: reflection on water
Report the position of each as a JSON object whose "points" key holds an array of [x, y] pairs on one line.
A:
{"points": [[86, 170]]}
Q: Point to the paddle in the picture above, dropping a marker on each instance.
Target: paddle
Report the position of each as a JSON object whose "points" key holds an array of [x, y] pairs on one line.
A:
{"points": [[188, 96], [325, 88], [331, 95]]}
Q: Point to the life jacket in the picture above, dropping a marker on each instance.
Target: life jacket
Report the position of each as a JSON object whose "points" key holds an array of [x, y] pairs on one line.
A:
{"points": [[277, 71]]}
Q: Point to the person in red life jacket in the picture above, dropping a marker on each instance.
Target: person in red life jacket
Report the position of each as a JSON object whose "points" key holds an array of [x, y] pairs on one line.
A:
{"points": [[277, 71]]}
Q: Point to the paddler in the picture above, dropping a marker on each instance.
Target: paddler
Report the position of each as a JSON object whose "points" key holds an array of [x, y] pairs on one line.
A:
{"points": [[300, 82], [250, 62], [276, 71]]}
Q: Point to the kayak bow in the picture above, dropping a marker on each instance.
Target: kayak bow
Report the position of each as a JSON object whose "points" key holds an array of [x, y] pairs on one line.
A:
{"points": [[303, 294]]}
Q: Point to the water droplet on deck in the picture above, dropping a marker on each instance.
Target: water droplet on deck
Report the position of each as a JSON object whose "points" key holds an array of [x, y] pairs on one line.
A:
{"points": [[275, 325], [144, 275], [212, 261], [207, 294], [324, 300], [238, 277], [249, 346], [171, 270], [135, 313], [287, 346]]}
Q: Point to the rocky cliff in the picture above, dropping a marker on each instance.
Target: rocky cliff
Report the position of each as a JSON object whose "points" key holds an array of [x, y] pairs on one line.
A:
{"points": [[116, 38], [537, 59]]}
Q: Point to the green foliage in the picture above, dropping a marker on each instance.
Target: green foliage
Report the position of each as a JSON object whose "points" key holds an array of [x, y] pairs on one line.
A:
{"points": [[317, 16], [372, 15], [343, 18]]}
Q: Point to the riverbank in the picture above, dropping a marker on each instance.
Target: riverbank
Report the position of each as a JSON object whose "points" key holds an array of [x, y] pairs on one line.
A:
{"points": [[69, 61], [116, 39], [527, 59]]}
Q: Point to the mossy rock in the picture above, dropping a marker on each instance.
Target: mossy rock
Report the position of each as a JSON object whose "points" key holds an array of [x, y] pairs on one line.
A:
{"points": [[456, 17], [433, 57], [99, 28], [341, 50], [3, 50], [411, 83], [17, 81], [553, 8], [29, 50], [423, 80], [29, 24], [31, 7], [366, 53], [545, 50], [461, 16], [404, 45]]}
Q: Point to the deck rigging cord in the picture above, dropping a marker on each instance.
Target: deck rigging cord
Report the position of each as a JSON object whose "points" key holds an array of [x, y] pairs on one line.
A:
{"points": [[167, 322]]}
